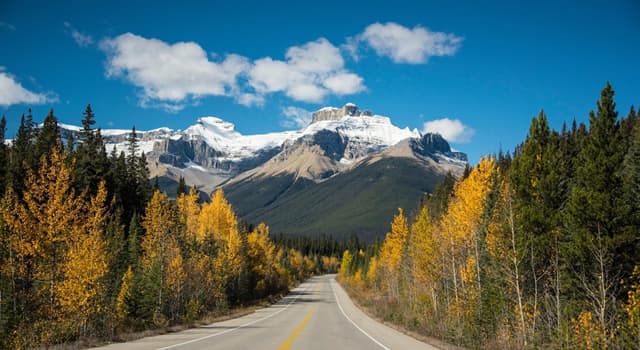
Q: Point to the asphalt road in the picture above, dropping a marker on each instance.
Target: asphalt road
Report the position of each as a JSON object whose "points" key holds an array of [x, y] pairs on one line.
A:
{"points": [[316, 315]]}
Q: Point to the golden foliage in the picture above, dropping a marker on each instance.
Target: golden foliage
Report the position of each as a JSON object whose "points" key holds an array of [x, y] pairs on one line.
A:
{"points": [[587, 333], [632, 307], [124, 295], [80, 293], [391, 253], [189, 211], [345, 265]]}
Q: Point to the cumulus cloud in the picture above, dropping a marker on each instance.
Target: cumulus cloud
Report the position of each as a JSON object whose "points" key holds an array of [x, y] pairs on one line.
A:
{"points": [[295, 117], [453, 130], [405, 45], [344, 83], [82, 39], [171, 76], [12, 92], [308, 74]]}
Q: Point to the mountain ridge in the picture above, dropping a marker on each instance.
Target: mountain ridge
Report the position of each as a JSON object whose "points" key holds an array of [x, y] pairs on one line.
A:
{"points": [[272, 177]]}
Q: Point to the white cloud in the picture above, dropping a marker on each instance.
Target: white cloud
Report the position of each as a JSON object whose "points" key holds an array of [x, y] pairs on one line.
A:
{"points": [[296, 117], [82, 39], [309, 73], [171, 76], [12, 92], [344, 84], [453, 130], [405, 45]]}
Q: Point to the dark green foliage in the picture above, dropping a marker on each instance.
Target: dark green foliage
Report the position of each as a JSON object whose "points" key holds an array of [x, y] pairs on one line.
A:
{"points": [[182, 187], [4, 156], [91, 157], [22, 153], [438, 201], [325, 245]]}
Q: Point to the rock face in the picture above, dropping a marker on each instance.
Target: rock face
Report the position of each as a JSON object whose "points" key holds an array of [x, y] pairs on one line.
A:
{"points": [[434, 144], [333, 113]]}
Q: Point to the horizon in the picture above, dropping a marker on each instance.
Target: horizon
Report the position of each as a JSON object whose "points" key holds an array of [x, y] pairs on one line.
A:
{"points": [[476, 74]]}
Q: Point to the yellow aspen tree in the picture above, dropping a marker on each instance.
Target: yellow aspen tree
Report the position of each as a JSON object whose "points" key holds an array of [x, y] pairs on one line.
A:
{"points": [[80, 294], [124, 296], [461, 229], [175, 278], [392, 253], [506, 249], [219, 223], [217, 219], [42, 223], [261, 255], [632, 307], [345, 264], [189, 210], [156, 245], [425, 259]]}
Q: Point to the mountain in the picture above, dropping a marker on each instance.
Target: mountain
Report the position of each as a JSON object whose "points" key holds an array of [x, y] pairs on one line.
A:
{"points": [[346, 172]]}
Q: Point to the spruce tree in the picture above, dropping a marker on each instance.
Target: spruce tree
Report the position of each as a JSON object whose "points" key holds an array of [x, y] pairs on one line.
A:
{"points": [[182, 187], [48, 136], [4, 157], [19, 156], [595, 199], [92, 163], [597, 245]]}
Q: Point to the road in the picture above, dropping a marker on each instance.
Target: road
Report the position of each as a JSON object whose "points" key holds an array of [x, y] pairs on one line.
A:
{"points": [[318, 314]]}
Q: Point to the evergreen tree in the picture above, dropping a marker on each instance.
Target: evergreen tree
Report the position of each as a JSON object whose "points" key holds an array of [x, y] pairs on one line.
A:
{"points": [[182, 187], [21, 154], [4, 156], [91, 158], [631, 188], [48, 136], [595, 212]]}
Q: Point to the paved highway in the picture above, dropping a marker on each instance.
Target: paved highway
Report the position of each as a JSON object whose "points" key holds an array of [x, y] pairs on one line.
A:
{"points": [[316, 315]]}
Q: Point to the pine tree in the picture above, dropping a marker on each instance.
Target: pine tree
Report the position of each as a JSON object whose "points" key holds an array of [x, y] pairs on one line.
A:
{"points": [[4, 156], [21, 154], [48, 136], [92, 163], [595, 210], [182, 187]]}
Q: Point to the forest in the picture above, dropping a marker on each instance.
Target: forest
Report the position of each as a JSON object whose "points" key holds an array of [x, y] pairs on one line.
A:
{"points": [[90, 249], [538, 248]]}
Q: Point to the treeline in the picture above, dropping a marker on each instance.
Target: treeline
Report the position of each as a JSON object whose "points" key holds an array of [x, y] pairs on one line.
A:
{"points": [[540, 249], [88, 249], [322, 245]]}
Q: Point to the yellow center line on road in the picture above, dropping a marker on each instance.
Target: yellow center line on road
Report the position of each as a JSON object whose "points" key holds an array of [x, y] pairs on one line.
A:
{"points": [[296, 333]]}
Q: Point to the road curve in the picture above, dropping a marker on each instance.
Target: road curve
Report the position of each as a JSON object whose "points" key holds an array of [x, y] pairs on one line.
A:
{"points": [[316, 315]]}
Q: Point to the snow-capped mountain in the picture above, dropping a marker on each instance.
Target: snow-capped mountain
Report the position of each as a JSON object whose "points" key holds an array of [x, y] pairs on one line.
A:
{"points": [[346, 172], [212, 152]]}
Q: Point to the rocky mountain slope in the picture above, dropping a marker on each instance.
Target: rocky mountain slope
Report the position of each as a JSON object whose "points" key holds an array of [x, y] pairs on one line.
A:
{"points": [[343, 173]]}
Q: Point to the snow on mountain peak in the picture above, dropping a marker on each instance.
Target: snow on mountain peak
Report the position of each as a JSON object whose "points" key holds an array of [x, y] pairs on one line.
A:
{"points": [[359, 127]]}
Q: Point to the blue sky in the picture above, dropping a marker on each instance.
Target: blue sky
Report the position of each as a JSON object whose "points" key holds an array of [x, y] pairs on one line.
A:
{"points": [[477, 72]]}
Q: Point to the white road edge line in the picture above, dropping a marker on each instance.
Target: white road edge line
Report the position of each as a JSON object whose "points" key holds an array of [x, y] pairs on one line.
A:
{"points": [[233, 329], [332, 281]]}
